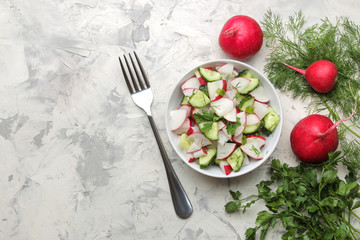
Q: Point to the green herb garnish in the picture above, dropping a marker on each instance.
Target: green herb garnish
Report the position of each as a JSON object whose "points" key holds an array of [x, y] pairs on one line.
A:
{"points": [[220, 91], [206, 116], [310, 204], [231, 126]]}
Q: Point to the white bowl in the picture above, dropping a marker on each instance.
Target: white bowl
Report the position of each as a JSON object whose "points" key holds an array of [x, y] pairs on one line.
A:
{"points": [[271, 141]]}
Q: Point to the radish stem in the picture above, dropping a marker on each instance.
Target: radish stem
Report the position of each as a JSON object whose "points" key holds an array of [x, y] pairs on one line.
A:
{"points": [[301, 71], [327, 132]]}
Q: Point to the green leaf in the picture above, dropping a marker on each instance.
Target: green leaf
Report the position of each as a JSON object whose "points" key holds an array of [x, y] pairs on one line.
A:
{"points": [[232, 206], [206, 126], [356, 205], [231, 126], [312, 208], [250, 233], [263, 217], [220, 91], [205, 116], [330, 176], [235, 195], [329, 202]]}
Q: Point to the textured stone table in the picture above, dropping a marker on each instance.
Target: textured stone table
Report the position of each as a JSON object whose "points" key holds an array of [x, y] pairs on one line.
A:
{"points": [[78, 158]]}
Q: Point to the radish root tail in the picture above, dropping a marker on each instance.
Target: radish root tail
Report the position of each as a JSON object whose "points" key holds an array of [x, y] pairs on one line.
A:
{"points": [[327, 132]]}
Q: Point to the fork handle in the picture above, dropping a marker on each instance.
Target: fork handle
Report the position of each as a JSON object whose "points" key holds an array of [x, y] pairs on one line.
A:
{"points": [[182, 205]]}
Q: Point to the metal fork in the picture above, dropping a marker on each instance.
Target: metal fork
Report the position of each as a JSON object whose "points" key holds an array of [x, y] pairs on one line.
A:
{"points": [[141, 93]]}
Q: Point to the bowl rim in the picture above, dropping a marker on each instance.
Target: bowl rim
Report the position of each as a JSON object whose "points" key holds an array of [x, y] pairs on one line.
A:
{"points": [[213, 62]]}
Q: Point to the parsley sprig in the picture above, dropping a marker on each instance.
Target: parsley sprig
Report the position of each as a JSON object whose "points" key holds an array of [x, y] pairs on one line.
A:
{"points": [[310, 202], [206, 116], [231, 126]]}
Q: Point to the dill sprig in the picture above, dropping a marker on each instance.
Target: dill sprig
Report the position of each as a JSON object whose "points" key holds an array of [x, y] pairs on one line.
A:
{"points": [[299, 44]]}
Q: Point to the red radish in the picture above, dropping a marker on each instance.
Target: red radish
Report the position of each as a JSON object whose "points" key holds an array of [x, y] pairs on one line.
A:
{"points": [[189, 91], [189, 157], [198, 141], [223, 138], [253, 145], [231, 116], [260, 109], [260, 95], [252, 119], [200, 153], [321, 75], [240, 83], [222, 106], [225, 167], [224, 151], [201, 80], [177, 118], [213, 89], [192, 82], [241, 37], [188, 108], [314, 137], [185, 127], [243, 120]]}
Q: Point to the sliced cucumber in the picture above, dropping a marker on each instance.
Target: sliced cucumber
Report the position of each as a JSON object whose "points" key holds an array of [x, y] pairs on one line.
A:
{"points": [[184, 142], [208, 159], [271, 120], [199, 99], [249, 129], [185, 100], [209, 75], [210, 130], [246, 104], [236, 159], [254, 81]]}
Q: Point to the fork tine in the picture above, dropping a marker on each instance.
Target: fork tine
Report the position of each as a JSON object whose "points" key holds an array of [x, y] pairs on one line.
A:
{"points": [[133, 78], [146, 80], [139, 74], [127, 78]]}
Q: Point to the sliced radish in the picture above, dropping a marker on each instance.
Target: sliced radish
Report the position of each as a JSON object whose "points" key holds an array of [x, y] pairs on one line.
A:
{"points": [[260, 109], [192, 82], [177, 118], [184, 127], [240, 83], [222, 106], [246, 160], [200, 78], [213, 87], [223, 138], [259, 139], [225, 167], [221, 125], [189, 157], [237, 139], [200, 153], [252, 119], [253, 145], [231, 116], [225, 70], [187, 107], [224, 151], [260, 95], [224, 130], [198, 140], [193, 129], [243, 121], [189, 91]]}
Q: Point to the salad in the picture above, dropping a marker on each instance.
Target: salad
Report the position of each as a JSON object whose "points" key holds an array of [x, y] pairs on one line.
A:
{"points": [[224, 118]]}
